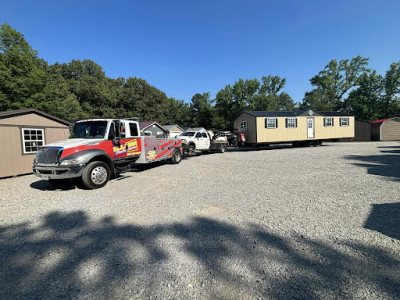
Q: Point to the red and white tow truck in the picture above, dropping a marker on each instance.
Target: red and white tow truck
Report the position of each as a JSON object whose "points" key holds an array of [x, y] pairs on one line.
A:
{"points": [[100, 148]]}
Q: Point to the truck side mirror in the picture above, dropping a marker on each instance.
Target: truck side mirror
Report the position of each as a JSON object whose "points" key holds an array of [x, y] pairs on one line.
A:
{"points": [[116, 141]]}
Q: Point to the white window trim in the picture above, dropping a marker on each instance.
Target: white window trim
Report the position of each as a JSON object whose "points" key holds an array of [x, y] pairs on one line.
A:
{"points": [[271, 127], [331, 125], [341, 121], [23, 139], [243, 125], [289, 124]]}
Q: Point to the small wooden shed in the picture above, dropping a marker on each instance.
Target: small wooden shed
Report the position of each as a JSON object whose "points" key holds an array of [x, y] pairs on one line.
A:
{"points": [[153, 128], [386, 129], [362, 131], [174, 130], [22, 132], [294, 126]]}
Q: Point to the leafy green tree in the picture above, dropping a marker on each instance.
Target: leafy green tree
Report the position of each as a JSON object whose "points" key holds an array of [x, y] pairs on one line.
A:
{"points": [[334, 82], [391, 101], [177, 112], [250, 95], [22, 73], [271, 97], [365, 102], [224, 109], [201, 110]]}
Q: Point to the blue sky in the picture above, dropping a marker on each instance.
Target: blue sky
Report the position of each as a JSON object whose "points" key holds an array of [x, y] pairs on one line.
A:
{"points": [[188, 47]]}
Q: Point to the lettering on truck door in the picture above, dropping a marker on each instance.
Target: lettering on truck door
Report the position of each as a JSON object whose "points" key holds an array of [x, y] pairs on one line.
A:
{"points": [[123, 141]]}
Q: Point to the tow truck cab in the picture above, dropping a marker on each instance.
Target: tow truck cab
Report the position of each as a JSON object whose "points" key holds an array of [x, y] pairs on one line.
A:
{"points": [[100, 148]]}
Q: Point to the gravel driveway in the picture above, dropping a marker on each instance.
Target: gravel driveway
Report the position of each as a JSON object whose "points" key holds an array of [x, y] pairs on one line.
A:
{"points": [[280, 223]]}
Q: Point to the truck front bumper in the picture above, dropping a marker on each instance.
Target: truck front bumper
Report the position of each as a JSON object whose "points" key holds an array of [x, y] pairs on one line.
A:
{"points": [[56, 172]]}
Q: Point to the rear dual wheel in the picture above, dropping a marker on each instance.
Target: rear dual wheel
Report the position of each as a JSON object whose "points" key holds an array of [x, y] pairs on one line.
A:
{"points": [[176, 157]]}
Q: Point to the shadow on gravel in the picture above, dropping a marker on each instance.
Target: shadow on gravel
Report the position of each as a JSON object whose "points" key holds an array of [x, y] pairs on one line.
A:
{"points": [[260, 148], [383, 165], [385, 218], [270, 147], [63, 185], [69, 256]]}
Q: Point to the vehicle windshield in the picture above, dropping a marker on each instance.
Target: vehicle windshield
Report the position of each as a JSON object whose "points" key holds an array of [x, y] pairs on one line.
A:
{"points": [[187, 134], [89, 130]]}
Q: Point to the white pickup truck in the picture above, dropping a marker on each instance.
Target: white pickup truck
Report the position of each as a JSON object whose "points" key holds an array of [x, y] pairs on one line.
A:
{"points": [[203, 141]]}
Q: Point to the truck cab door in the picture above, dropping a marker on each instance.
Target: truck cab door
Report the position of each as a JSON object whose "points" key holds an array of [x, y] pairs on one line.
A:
{"points": [[116, 140], [206, 140], [198, 138]]}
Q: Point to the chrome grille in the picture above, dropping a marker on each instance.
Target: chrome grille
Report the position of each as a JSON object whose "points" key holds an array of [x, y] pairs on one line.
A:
{"points": [[48, 155]]}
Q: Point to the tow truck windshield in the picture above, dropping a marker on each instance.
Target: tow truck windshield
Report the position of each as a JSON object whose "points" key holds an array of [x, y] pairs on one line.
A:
{"points": [[187, 134], [89, 130]]}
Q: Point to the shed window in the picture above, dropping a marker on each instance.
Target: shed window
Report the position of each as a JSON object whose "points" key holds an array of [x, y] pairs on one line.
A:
{"points": [[328, 122], [271, 123], [243, 125], [32, 139], [344, 121], [291, 122]]}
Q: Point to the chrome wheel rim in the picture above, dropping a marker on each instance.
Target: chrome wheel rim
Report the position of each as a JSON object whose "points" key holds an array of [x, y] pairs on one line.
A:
{"points": [[99, 175], [177, 156]]}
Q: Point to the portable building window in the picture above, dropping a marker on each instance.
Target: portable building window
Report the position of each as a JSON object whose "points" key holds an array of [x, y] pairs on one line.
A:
{"points": [[291, 122], [243, 125], [328, 122], [344, 121], [271, 123], [32, 139]]}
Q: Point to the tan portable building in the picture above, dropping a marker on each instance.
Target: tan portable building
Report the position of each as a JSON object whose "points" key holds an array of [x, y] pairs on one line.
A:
{"points": [[307, 125], [386, 129], [174, 130], [22, 132]]}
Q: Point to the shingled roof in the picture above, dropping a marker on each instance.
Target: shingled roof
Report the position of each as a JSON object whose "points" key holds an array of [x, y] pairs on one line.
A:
{"points": [[302, 112], [20, 112]]}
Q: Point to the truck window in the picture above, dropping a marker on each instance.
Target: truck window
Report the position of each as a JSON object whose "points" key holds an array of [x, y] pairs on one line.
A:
{"points": [[120, 129], [111, 134], [133, 129], [204, 135], [89, 130], [190, 133], [198, 135]]}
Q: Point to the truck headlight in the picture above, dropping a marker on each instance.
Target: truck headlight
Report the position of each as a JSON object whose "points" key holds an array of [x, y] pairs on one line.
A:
{"points": [[184, 141], [69, 162]]}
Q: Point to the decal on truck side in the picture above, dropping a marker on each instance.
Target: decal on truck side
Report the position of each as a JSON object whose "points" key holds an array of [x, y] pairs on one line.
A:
{"points": [[128, 148]]}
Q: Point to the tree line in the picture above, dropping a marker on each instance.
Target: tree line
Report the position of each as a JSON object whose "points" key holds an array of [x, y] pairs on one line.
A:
{"points": [[79, 89]]}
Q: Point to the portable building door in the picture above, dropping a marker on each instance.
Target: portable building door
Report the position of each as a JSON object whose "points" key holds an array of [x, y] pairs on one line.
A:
{"points": [[310, 128]]}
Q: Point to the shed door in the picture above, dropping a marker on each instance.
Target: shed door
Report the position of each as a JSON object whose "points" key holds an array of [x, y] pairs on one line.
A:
{"points": [[310, 127]]}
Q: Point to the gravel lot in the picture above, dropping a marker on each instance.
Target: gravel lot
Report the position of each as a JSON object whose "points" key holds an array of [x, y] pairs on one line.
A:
{"points": [[303, 223]]}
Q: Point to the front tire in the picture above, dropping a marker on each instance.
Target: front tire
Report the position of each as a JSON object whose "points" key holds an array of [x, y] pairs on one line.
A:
{"points": [[191, 149], [176, 157], [95, 175], [222, 149]]}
